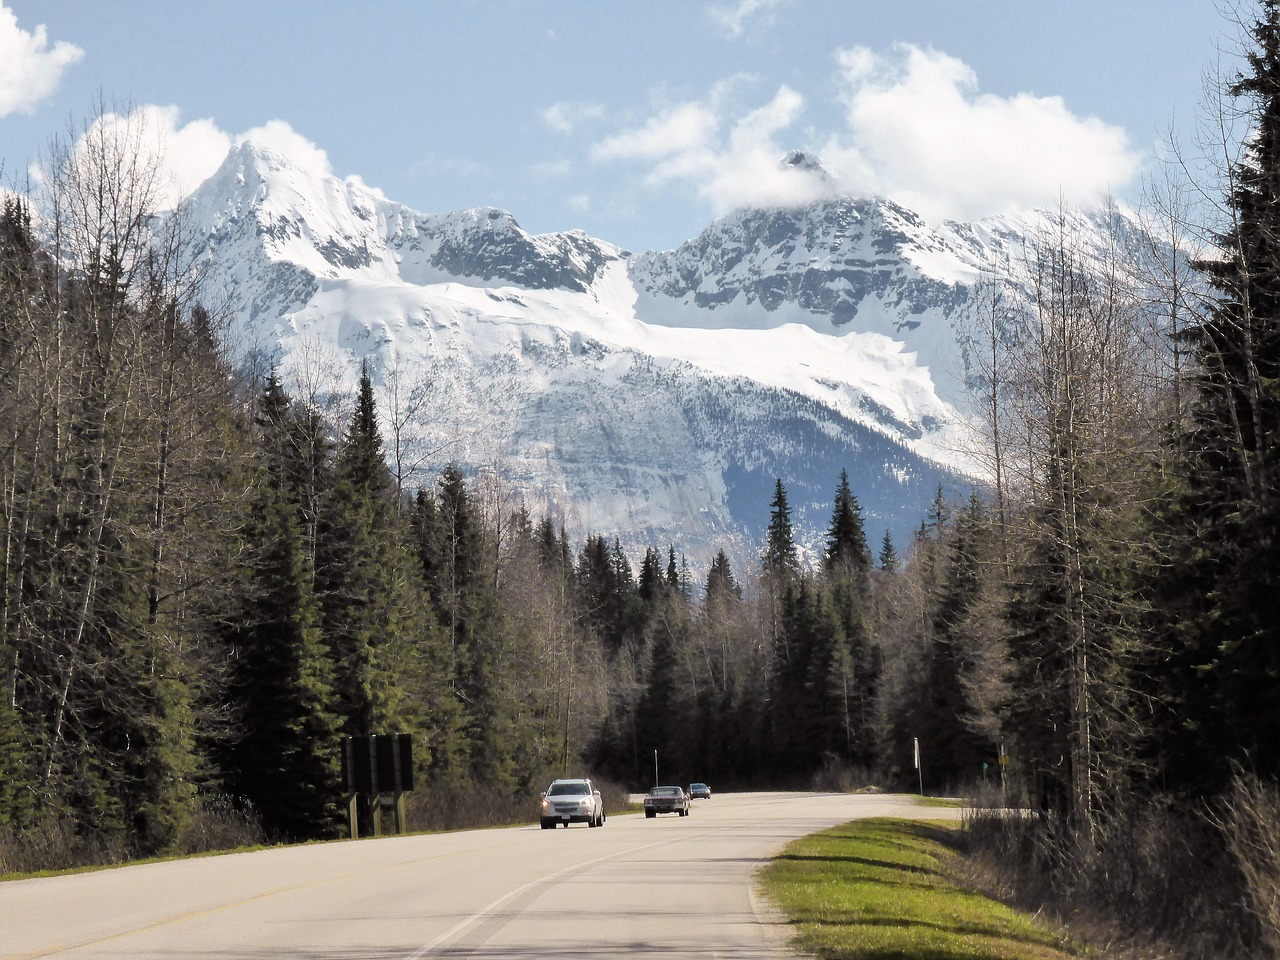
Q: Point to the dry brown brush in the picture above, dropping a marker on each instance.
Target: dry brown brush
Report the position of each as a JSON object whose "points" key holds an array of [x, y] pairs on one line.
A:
{"points": [[1251, 823], [1158, 882]]}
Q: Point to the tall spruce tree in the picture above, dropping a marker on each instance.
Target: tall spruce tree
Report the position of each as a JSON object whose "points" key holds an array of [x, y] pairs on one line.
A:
{"points": [[439, 699], [1224, 559], [469, 615], [957, 751], [650, 583], [19, 298], [780, 560], [720, 582], [846, 538], [847, 673], [374, 614], [795, 702], [888, 558], [285, 759]]}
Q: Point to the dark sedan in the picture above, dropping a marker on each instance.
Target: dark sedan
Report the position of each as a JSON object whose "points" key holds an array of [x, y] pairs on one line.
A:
{"points": [[666, 800]]}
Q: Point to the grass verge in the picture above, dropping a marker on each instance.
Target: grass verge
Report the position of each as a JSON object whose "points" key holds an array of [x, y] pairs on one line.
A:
{"points": [[949, 802], [879, 890]]}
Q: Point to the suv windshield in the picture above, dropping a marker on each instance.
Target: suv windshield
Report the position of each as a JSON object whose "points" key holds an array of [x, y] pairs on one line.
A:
{"points": [[575, 789]]}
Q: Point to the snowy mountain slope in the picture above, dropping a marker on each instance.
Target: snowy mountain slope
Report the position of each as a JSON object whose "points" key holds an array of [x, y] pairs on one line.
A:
{"points": [[654, 396]]}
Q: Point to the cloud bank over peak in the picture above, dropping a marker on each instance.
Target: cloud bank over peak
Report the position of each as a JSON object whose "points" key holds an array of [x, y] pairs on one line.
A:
{"points": [[279, 136], [916, 127], [911, 124], [919, 129], [731, 162], [187, 154]]}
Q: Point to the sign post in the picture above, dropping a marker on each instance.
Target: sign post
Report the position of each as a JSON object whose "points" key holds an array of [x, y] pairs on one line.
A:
{"points": [[1004, 765], [373, 766], [353, 794], [915, 742]]}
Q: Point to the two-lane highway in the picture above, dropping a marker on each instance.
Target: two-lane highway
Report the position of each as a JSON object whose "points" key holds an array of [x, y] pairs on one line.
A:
{"points": [[671, 887]]}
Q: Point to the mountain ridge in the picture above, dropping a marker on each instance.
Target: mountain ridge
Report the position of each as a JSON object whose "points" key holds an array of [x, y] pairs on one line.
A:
{"points": [[779, 343]]}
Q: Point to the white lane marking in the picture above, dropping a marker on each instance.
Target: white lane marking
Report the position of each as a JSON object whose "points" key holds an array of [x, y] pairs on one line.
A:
{"points": [[461, 925]]}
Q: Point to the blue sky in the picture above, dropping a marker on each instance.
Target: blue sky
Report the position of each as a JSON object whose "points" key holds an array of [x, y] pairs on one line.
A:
{"points": [[638, 122]]}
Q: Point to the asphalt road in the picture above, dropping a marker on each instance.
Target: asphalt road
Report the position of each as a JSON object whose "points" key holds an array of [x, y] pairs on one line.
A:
{"points": [[670, 887]]}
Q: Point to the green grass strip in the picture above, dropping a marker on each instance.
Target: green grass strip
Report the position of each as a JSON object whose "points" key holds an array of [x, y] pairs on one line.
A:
{"points": [[879, 890]]}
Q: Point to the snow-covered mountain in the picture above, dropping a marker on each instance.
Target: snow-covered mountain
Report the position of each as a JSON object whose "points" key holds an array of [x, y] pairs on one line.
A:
{"points": [[653, 396]]}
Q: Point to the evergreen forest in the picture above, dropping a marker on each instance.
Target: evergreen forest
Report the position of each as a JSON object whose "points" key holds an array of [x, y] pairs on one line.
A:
{"points": [[210, 576]]}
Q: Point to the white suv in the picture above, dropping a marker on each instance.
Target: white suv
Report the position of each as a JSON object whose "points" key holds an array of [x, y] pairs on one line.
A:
{"points": [[572, 801]]}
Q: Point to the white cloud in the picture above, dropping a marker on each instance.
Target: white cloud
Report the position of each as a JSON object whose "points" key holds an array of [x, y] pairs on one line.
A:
{"points": [[565, 116], [749, 170], [277, 135], [678, 130], [741, 166], [916, 128], [733, 17], [29, 70], [184, 154], [188, 153], [358, 181], [919, 130]]}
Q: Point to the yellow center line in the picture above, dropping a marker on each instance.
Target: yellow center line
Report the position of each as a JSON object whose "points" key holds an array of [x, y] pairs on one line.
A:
{"points": [[222, 907]]}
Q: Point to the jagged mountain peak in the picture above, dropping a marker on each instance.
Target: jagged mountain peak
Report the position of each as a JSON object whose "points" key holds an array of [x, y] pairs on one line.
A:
{"points": [[838, 265], [300, 215], [806, 163]]}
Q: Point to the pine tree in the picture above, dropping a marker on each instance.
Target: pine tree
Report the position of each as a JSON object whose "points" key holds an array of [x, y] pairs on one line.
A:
{"points": [[720, 582], [598, 591], [650, 585], [888, 555], [369, 588], [846, 673], [780, 560], [846, 539], [1225, 561], [939, 515], [469, 614], [18, 759], [18, 785], [957, 751], [660, 722], [795, 702], [439, 700], [607, 590], [285, 759]]}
